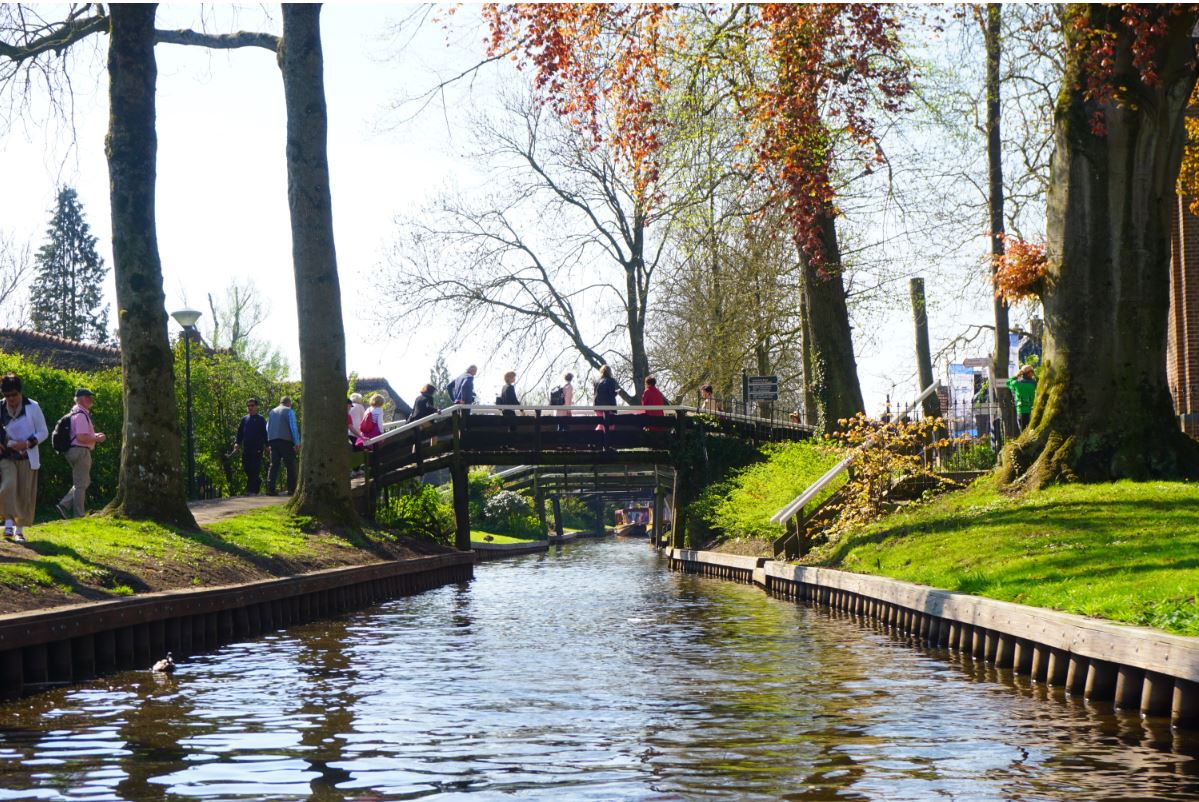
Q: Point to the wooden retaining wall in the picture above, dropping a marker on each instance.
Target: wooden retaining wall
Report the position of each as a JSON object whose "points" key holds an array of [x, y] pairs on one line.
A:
{"points": [[499, 551], [1135, 668], [69, 644]]}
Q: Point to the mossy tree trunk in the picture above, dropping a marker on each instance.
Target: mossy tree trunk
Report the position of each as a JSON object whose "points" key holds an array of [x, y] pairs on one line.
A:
{"points": [[1103, 409], [832, 371], [324, 486], [151, 482]]}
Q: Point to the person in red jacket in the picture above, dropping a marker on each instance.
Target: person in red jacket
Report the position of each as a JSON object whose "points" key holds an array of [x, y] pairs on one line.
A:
{"points": [[652, 397]]}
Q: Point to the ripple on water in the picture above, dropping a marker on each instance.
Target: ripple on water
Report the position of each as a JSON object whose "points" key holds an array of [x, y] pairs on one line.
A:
{"points": [[587, 673]]}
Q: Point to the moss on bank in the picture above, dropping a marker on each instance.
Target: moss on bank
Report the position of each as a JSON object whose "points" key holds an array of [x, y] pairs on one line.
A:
{"points": [[1123, 551], [96, 557]]}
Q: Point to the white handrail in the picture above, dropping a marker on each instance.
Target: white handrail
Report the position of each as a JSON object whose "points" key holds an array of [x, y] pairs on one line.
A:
{"points": [[399, 428], [832, 473]]}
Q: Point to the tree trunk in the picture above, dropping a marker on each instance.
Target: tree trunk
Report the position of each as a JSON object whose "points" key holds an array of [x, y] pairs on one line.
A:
{"points": [[1000, 355], [151, 482], [1103, 408], [324, 486], [635, 308], [809, 399], [931, 406], [834, 371]]}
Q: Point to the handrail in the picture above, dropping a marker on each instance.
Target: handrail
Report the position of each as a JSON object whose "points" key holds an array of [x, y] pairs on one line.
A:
{"points": [[832, 473], [620, 410]]}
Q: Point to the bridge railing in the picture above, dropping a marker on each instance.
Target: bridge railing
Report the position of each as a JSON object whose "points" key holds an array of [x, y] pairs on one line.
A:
{"points": [[394, 429]]}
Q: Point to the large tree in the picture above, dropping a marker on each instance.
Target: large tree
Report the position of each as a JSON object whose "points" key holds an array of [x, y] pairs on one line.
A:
{"points": [[1103, 408], [151, 477], [828, 66], [558, 251], [324, 486], [324, 489], [67, 297]]}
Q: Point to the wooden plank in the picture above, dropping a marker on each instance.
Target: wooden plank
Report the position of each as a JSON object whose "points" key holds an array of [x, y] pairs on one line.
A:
{"points": [[1147, 649], [740, 561]]}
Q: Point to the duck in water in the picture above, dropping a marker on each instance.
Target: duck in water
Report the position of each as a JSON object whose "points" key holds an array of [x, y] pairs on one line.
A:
{"points": [[164, 666]]}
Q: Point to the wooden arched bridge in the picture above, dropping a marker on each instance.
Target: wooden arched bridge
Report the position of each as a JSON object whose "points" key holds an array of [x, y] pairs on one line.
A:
{"points": [[594, 449]]}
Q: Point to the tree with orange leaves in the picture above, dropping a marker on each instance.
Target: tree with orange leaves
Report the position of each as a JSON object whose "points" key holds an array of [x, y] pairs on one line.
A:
{"points": [[822, 66]]}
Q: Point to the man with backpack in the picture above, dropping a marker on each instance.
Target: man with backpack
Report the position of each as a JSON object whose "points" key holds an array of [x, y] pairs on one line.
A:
{"points": [[75, 437], [462, 389]]}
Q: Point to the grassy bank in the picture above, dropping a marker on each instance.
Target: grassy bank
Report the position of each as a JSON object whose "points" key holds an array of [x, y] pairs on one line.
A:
{"points": [[735, 513], [1124, 551], [481, 536], [93, 558]]}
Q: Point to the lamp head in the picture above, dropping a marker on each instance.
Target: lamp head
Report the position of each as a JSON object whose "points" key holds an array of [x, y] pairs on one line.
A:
{"points": [[186, 317]]}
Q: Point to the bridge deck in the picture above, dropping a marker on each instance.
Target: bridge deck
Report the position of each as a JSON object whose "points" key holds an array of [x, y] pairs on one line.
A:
{"points": [[538, 436]]}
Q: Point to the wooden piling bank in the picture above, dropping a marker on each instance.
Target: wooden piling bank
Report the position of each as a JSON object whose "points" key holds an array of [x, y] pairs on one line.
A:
{"points": [[1134, 668], [68, 644]]}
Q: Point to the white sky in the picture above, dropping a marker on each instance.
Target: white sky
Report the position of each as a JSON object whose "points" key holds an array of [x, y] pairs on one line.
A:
{"points": [[222, 184]]}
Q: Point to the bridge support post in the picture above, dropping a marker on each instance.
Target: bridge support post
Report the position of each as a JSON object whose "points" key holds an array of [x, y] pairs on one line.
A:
{"points": [[458, 475], [657, 528], [678, 527], [539, 500], [556, 504]]}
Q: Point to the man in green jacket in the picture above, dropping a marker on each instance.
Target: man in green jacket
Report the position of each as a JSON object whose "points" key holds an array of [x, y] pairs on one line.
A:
{"points": [[1024, 389]]}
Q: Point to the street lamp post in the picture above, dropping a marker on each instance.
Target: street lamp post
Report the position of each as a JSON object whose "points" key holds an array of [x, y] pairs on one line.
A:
{"points": [[187, 319]]}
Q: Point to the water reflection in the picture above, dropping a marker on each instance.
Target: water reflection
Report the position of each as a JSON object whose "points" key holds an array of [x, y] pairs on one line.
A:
{"points": [[587, 673]]}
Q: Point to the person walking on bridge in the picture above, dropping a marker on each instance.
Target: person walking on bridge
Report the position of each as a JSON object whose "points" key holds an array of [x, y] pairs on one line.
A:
{"points": [[423, 407], [284, 437], [507, 397], [605, 396], [462, 389], [652, 397]]}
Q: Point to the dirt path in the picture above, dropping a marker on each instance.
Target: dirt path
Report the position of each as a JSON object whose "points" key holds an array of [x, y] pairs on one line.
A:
{"points": [[216, 509]]}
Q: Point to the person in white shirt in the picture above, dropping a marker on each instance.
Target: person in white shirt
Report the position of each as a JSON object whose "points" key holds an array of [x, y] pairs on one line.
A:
{"points": [[568, 394], [357, 410], [24, 426]]}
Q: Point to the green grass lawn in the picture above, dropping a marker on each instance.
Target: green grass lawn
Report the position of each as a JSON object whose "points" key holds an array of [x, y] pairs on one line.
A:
{"points": [[99, 557], [478, 535], [1127, 551]]}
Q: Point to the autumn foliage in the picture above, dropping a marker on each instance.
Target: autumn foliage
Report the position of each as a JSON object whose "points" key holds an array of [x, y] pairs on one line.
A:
{"points": [[600, 67], [1020, 270], [883, 455], [826, 68], [1095, 37]]}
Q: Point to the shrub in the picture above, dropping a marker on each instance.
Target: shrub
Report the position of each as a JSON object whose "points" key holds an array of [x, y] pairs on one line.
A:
{"points": [[418, 509], [971, 457]]}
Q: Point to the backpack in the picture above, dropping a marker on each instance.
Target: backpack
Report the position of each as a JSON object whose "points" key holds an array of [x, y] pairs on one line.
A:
{"points": [[60, 438], [557, 397]]}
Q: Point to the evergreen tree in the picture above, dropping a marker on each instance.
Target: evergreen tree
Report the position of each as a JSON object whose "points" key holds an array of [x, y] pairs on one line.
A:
{"points": [[67, 292]]}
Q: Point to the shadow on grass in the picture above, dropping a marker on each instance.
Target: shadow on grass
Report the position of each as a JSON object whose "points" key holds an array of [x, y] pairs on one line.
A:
{"points": [[64, 579]]}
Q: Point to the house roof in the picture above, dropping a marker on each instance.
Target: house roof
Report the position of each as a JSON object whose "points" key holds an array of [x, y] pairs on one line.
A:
{"points": [[377, 384], [59, 352]]}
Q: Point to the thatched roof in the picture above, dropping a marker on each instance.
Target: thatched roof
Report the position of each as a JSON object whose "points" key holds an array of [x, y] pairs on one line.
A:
{"points": [[377, 384], [59, 352]]}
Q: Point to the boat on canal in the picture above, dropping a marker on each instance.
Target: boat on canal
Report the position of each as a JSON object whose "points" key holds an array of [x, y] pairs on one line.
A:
{"points": [[634, 522]]}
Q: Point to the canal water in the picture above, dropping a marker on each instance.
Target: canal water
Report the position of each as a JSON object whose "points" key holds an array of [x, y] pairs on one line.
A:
{"points": [[590, 673]]}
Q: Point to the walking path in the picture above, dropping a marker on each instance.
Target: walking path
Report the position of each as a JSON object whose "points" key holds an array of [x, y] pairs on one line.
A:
{"points": [[216, 509]]}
